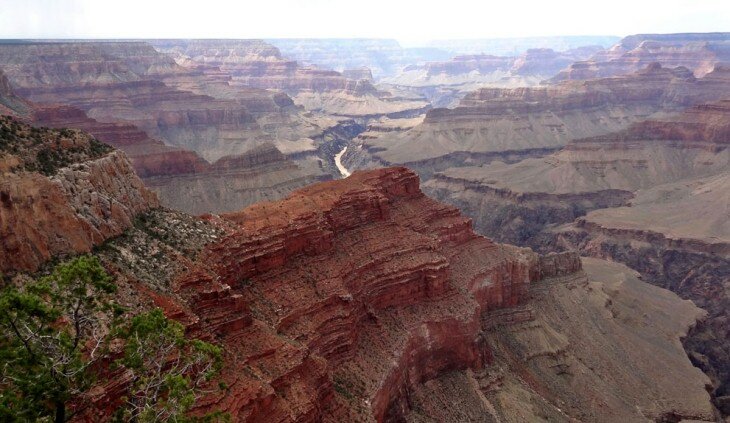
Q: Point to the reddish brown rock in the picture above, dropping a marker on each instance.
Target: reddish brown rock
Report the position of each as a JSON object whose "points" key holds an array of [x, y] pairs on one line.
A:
{"points": [[69, 211], [334, 266]]}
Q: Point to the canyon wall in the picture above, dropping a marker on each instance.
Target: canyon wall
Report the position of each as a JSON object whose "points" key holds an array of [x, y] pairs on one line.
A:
{"points": [[699, 52], [173, 122], [351, 300], [346, 301], [512, 124], [653, 196]]}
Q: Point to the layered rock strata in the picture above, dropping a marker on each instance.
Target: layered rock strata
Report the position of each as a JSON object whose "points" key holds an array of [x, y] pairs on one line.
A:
{"points": [[526, 122], [171, 121], [589, 174], [654, 197], [579, 352], [347, 301], [697, 52], [254, 63]]}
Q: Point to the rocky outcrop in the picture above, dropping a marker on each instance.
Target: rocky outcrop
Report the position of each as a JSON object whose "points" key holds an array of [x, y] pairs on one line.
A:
{"points": [[698, 52], [318, 267], [65, 210]]}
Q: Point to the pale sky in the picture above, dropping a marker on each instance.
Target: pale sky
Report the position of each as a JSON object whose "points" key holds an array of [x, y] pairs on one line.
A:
{"points": [[410, 22]]}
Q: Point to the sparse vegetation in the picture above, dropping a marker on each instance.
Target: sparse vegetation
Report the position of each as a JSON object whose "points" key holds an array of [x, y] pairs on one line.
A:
{"points": [[56, 337], [47, 150]]}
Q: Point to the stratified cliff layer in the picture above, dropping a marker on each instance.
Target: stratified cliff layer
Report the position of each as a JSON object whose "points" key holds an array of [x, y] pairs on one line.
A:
{"points": [[255, 63], [555, 359], [352, 300], [468, 72], [496, 123], [699, 52], [344, 302], [591, 173], [171, 121]]}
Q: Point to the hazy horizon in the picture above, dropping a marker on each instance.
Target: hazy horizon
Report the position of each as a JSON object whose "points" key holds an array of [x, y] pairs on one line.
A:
{"points": [[411, 23]]}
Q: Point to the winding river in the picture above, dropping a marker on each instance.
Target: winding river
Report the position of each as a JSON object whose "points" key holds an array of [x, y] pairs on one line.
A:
{"points": [[338, 162]]}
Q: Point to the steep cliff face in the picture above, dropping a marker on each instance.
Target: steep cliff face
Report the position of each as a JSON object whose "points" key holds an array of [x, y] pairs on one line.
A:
{"points": [[698, 52], [261, 174], [677, 236], [575, 353], [361, 299], [150, 157], [61, 193]]}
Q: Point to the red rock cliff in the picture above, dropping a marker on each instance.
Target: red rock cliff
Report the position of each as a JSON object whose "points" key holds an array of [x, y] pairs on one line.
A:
{"points": [[357, 288]]}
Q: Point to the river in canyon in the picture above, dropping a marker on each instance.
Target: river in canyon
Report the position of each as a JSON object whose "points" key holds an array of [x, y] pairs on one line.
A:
{"points": [[338, 162]]}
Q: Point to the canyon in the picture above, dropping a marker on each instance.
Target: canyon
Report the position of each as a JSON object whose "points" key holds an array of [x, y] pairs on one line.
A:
{"points": [[653, 196], [362, 299], [472, 230], [164, 117]]}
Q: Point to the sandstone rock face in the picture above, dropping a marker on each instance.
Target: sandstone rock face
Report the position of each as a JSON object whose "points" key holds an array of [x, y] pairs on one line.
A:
{"points": [[362, 292], [72, 210], [697, 52], [346, 269]]}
